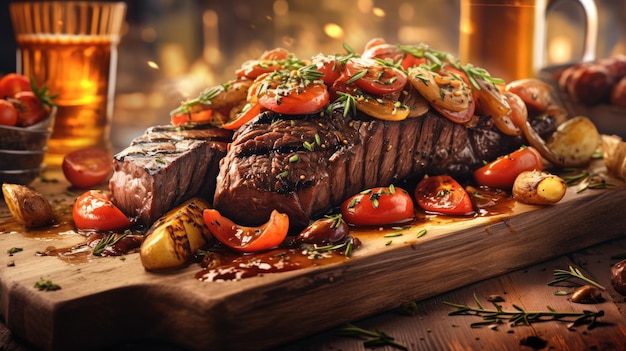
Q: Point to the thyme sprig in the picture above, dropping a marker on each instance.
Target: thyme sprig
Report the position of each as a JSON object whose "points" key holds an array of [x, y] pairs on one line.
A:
{"points": [[562, 275], [375, 338], [519, 316]]}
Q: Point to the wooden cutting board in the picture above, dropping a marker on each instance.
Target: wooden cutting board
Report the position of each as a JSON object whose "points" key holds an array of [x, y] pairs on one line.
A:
{"points": [[106, 301]]}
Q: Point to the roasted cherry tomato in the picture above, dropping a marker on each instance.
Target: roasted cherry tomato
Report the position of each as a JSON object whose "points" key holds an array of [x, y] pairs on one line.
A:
{"points": [[248, 239], [324, 231], [295, 99], [373, 77], [249, 112], [30, 109], [378, 206], [85, 168], [442, 194], [8, 113], [270, 61], [410, 60], [93, 210], [13, 83], [202, 116], [330, 67], [501, 173]]}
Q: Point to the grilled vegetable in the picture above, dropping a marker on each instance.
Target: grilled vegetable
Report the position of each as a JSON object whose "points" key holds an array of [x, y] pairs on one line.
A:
{"points": [[173, 239], [29, 207], [538, 188]]}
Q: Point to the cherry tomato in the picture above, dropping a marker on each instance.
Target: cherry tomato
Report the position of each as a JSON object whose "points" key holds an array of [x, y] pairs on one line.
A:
{"points": [[8, 113], [501, 173], [270, 61], [411, 61], [249, 112], [202, 116], [378, 206], [12, 84], [374, 77], [442, 194], [93, 210], [295, 100], [85, 168], [379, 48], [30, 109], [329, 66], [248, 239]]}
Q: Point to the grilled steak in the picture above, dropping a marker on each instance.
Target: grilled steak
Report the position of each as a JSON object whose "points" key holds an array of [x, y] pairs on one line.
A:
{"points": [[305, 165], [166, 166]]}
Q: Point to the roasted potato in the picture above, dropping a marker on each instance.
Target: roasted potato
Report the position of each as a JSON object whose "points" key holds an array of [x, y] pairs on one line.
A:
{"points": [[173, 239], [538, 188], [614, 155], [575, 141], [29, 207]]}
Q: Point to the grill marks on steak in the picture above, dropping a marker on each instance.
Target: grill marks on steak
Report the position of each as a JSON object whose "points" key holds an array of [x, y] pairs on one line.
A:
{"points": [[164, 167], [261, 172]]}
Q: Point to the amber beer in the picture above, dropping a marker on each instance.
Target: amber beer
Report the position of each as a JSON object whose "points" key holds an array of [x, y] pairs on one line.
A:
{"points": [[71, 47], [506, 37], [77, 69]]}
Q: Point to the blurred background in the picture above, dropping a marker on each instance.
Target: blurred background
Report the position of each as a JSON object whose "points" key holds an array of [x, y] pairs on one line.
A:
{"points": [[173, 49]]}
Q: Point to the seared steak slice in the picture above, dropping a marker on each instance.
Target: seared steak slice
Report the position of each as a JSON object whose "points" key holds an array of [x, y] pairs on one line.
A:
{"points": [[164, 167], [305, 165]]}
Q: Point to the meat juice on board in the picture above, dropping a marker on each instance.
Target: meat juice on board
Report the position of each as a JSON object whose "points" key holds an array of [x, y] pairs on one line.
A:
{"points": [[77, 68]]}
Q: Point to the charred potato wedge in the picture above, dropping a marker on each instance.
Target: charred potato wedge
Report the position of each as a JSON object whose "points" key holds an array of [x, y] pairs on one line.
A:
{"points": [[29, 207], [173, 239], [539, 188]]}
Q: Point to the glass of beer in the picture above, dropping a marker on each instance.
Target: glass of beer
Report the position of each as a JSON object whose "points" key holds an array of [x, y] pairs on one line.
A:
{"points": [[71, 48], [508, 37]]}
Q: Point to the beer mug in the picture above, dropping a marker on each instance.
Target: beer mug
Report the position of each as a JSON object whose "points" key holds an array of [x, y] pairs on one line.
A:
{"points": [[508, 37], [71, 48]]}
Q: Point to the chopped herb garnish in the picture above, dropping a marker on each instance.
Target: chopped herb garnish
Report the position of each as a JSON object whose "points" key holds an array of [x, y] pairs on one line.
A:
{"points": [[46, 285], [13, 250]]}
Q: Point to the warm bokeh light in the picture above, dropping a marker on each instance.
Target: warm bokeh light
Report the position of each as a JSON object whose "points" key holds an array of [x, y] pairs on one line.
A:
{"points": [[333, 30]]}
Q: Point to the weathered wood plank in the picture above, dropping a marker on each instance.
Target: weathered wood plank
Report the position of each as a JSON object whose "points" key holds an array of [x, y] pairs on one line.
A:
{"points": [[275, 308]]}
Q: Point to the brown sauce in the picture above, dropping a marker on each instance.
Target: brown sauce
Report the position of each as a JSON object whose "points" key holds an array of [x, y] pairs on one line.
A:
{"points": [[219, 263]]}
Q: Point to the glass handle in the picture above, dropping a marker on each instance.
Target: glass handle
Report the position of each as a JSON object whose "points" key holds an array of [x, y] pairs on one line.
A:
{"points": [[591, 30]]}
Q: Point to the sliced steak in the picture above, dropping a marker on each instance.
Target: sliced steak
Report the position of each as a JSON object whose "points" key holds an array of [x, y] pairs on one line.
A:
{"points": [[305, 165], [164, 167]]}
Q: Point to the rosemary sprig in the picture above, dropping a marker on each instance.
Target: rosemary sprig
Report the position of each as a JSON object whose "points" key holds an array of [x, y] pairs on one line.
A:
{"points": [[107, 241], [348, 101], [562, 275], [375, 338], [519, 316], [585, 180]]}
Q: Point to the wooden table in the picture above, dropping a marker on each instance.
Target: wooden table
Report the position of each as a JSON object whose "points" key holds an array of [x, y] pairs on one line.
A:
{"points": [[429, 327]]}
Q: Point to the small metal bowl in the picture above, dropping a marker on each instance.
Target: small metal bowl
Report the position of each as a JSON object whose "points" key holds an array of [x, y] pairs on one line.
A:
{"points": [[21, 159], [33, 137], [22, 150], [20, 176]]}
